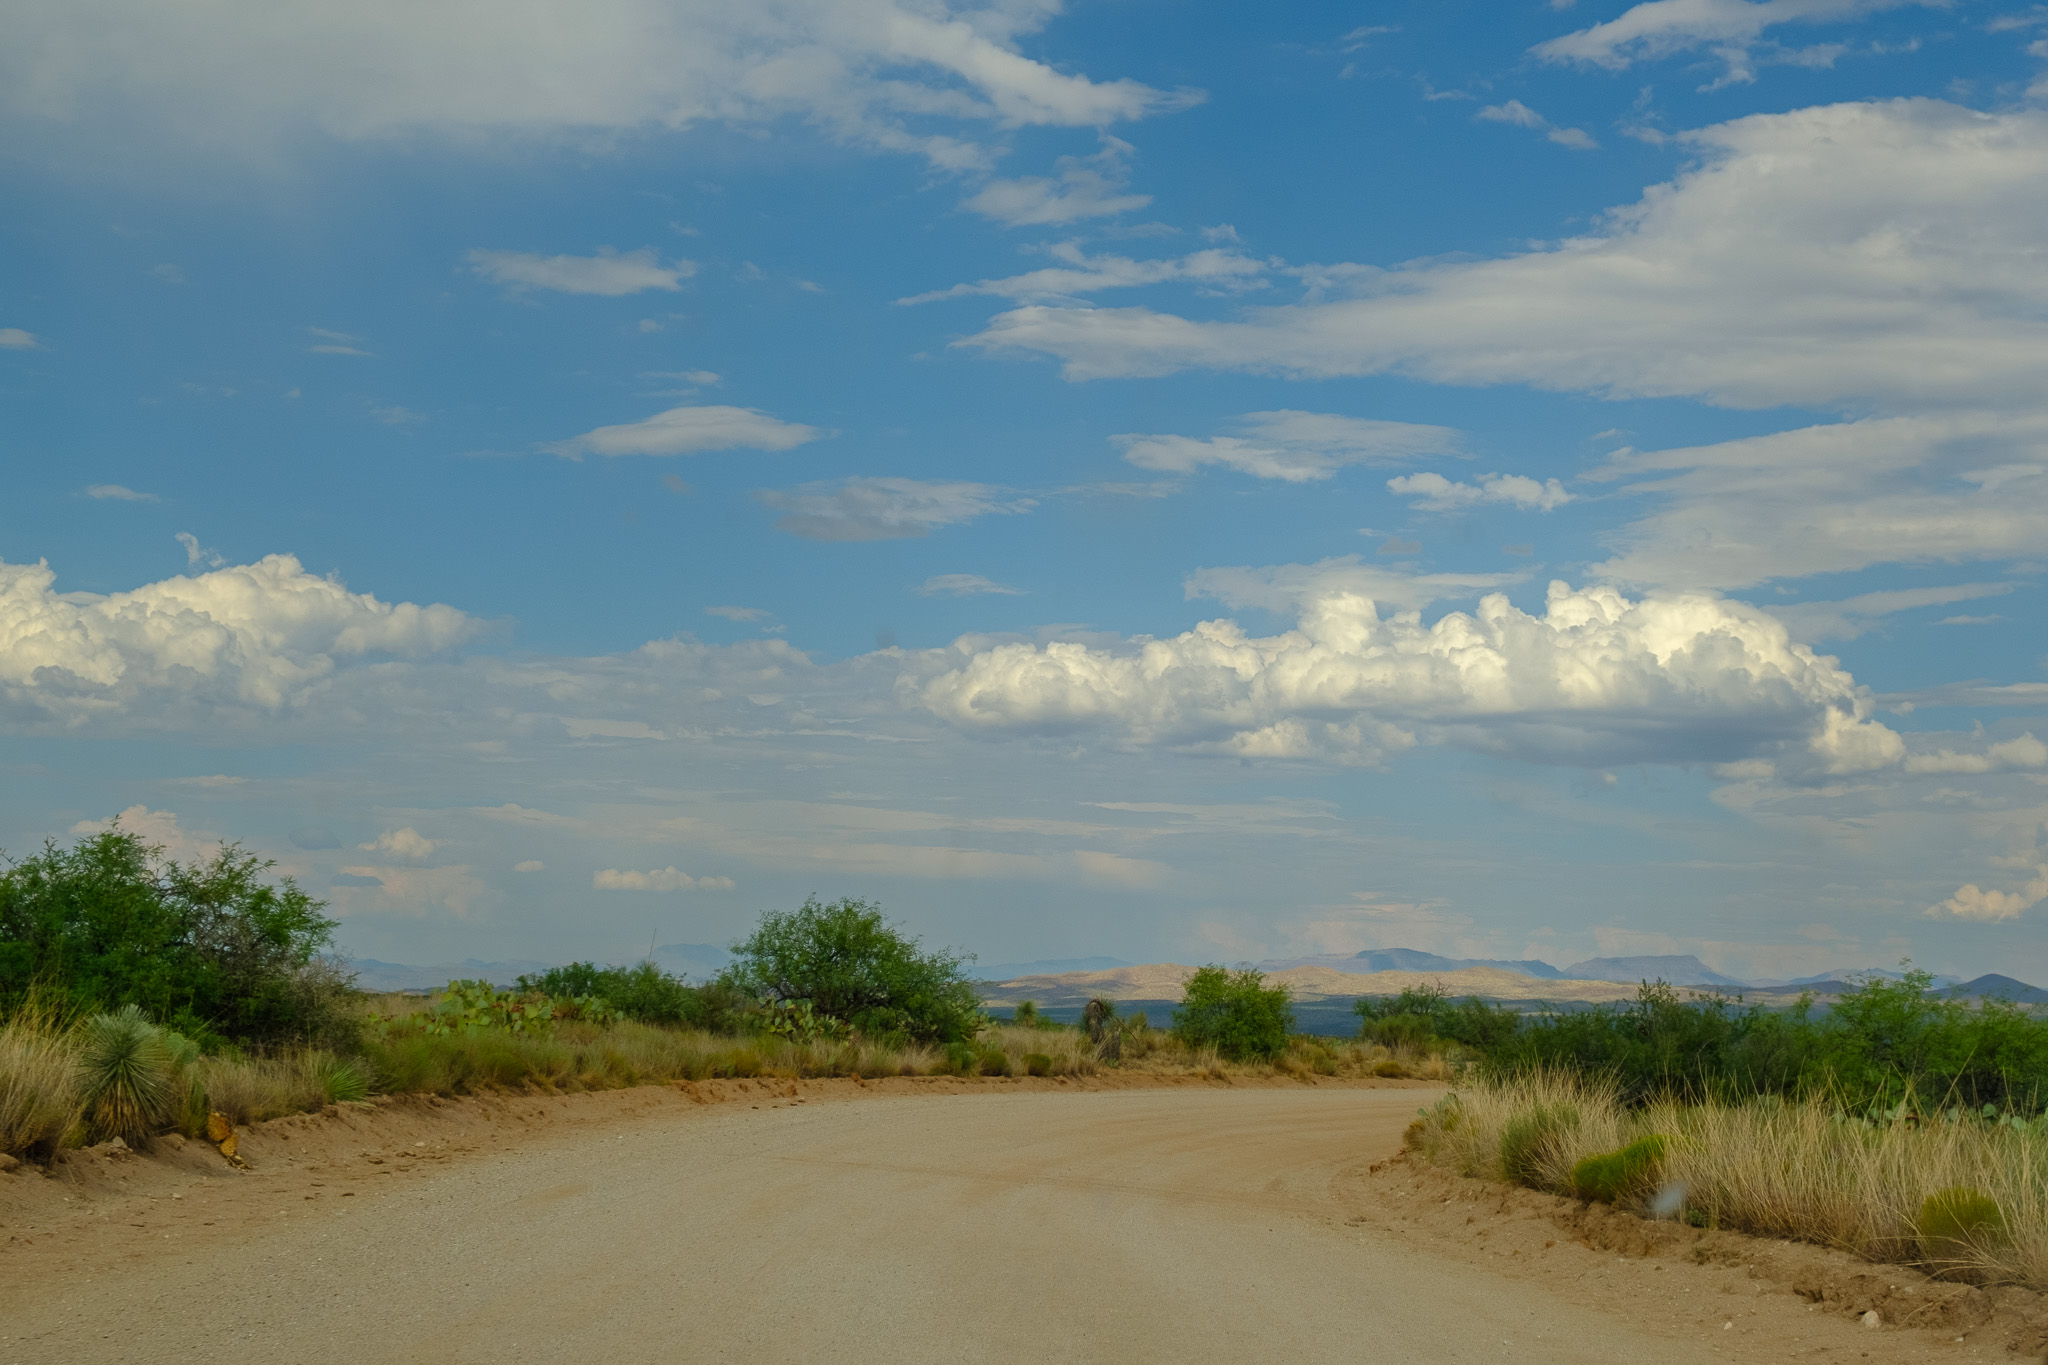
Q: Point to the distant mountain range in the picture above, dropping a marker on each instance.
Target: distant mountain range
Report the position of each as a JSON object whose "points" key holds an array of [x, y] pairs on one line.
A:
{"points": [[1679, 969], [1010, 971], [700, 961]]}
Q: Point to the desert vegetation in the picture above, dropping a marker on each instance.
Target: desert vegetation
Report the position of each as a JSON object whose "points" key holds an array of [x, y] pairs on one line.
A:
{"points": [[140, 996], [1897, 1125]]}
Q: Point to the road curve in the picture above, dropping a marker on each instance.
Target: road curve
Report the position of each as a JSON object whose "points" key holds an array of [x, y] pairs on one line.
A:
{"points": [[1121, 1226]]}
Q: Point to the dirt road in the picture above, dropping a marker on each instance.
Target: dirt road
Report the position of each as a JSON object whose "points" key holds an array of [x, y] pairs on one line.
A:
{"points": [[1185, 1226]]}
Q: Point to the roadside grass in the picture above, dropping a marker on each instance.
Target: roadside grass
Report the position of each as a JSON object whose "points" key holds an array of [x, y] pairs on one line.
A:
{"points": [[46, 1102], [41, 1099], [1955, 1193]]}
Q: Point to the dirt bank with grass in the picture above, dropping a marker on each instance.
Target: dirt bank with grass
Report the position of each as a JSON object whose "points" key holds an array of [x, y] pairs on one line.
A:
{"points": [[916, 1219]]}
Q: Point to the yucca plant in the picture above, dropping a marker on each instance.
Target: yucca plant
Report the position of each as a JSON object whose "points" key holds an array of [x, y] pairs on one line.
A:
{"points": [[341, 1082], [126, 1069]]}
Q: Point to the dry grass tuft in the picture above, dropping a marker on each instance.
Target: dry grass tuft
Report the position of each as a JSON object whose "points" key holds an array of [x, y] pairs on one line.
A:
{"points": [[1786, 1169], [41, 1100]]}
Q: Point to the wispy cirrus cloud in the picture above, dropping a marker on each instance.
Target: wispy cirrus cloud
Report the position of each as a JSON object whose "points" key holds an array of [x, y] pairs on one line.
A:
{"points": [[935, 80], [1291, 446], [1084, 187], [886, 508], [689, 430], [115, 492], [609, 274]]}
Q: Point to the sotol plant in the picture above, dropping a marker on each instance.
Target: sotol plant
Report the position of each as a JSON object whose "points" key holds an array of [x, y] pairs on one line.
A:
{"points": [[1956, 1226], [126, 1068], [1613, 1176]]}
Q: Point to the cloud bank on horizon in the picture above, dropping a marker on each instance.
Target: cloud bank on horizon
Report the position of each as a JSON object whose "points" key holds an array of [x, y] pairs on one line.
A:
{"points": [[1531, 473]]}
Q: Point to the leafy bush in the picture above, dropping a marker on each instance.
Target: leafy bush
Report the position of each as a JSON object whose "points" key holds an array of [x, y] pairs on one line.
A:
{"points": [[212, 948], [1235, 1013], [994, 1062], [1037, 1064], [1613, 1176], [1884, 1047], [851, 965], [643, 991], [127, 1075], [1426, 1017]]}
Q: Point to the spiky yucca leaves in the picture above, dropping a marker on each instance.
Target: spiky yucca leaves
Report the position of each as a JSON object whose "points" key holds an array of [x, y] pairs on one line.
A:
{"points": [[340, 1081], [127, 1069]]}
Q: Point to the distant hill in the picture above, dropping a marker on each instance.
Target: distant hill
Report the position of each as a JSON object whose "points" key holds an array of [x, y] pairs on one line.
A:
{"points": [[1410, 960], [1010, 971], [698, 961], [373, 975], [1678, 969], [1991, 985]]}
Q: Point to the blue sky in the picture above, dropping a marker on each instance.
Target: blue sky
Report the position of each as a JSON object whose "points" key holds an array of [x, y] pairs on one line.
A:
{"points": [[1170, 480]]}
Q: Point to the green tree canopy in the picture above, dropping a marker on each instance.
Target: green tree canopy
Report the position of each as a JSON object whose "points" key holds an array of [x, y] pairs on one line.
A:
{"points": [[852, 965], [1236, 1013], [211, 948]]}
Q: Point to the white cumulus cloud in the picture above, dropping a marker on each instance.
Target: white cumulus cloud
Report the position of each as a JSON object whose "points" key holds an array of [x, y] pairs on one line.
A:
{"points": [[2024, 752], [609, 273], [1972, 901], [406, 843], [885, 509], [1435, 493], [660, 879], [1295, 447], [689, 431], [260, 635], [1596, 679]]}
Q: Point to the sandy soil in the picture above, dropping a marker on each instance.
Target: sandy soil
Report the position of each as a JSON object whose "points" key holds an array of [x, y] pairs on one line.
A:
{"points": [[934, 1221]]}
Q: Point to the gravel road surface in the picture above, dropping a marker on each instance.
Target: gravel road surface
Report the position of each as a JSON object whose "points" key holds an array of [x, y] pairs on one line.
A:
{"points": [[1133, 1226]]}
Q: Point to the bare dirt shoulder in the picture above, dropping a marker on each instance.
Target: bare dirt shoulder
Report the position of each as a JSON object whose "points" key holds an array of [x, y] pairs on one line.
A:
{"points": [[1748, 1291], [107, 1205]]}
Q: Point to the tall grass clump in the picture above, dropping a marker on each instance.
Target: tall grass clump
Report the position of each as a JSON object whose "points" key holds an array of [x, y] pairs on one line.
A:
{"points": [[1954, 1192], [40, 1098]]}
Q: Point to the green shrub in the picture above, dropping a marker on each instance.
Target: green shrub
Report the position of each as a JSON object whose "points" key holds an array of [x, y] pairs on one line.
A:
{"points": [[1235, 1013], [212, 948], [851, 965], [1425, 1017], [643, 991], [1528, 1142], [1956, 1225], [995, 1062], [1613, 1176], [960, 1059], [126, 1070], [1037, 1064]]}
